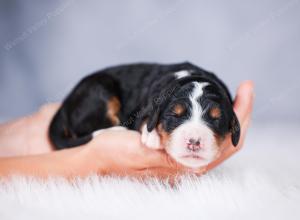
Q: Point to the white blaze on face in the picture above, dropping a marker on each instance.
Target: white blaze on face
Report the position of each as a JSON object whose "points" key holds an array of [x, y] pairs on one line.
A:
{"points": [[193, 128]]}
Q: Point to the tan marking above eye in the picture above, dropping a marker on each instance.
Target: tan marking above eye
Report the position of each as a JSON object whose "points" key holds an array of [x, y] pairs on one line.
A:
{"points": [[178, 109], [215, 112], [113, 108]]}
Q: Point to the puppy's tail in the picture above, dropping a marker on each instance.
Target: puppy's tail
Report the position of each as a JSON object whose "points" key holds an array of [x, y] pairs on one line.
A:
{"points": [[61, 136]]}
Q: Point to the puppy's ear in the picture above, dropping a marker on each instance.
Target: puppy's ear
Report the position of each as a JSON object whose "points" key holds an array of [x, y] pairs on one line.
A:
{"points": [[235, 130], [153, 119]]}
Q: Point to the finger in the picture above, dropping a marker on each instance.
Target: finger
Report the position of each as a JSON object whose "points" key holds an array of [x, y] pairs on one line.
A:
{"points": [[160, 159], [243, 103], [244, 130], [140, 155]]}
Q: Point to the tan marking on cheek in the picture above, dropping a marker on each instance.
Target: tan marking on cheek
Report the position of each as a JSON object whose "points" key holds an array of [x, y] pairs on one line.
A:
{"points": [[178, 109], [113, 108], [215, 112], [164, 136]]}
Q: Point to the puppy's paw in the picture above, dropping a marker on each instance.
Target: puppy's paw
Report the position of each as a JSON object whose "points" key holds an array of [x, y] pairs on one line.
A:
{"points": [[150, 139]]}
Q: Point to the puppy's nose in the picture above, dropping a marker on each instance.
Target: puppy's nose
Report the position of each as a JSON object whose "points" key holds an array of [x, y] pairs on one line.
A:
{"points": [[193, 144]]}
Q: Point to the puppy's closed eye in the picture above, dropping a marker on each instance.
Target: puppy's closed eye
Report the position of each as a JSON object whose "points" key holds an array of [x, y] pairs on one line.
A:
{"points": [[178, 109]]}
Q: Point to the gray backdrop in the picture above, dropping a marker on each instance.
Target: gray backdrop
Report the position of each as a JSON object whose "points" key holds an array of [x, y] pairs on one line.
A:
{"points": [[47, 46]]}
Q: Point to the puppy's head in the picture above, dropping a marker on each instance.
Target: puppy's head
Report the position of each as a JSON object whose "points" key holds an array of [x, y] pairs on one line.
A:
{"points": [[193, 120]]}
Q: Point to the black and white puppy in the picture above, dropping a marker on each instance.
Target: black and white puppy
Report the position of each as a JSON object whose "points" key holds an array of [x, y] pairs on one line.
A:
{"points": [[180, 107]]}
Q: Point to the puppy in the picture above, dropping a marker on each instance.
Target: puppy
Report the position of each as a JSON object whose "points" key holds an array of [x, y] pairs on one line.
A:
{"points": [[180, 107]]}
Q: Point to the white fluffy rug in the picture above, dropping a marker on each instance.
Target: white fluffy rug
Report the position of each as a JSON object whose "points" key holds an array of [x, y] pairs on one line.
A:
{"points": [[260, 182]]}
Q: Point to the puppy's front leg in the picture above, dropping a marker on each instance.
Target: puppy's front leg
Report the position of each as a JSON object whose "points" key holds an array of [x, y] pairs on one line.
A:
{"points": [[150, 139]]}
